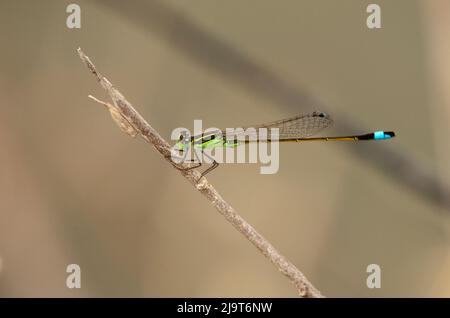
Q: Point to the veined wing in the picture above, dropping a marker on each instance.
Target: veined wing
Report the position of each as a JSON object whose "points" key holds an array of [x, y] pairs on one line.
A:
{"points": [[300, 126]]}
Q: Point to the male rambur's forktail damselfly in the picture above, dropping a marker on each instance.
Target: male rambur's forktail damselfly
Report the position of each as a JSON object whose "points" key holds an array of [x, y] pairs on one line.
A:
{"points": [[294, 129]]}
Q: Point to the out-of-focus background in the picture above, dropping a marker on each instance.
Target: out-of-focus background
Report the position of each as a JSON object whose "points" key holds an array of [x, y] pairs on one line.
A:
{"points": [[74, 189]]}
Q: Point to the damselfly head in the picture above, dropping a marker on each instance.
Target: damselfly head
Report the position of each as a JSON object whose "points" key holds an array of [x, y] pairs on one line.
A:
{"points": [[183, 141], [185, 137]]}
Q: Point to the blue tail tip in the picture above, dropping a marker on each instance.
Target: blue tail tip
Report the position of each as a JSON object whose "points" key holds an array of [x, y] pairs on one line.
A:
{"points": [[379, 135]]}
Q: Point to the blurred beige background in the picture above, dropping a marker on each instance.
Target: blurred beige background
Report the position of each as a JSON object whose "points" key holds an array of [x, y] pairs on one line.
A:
{"points": [[74, 189]]}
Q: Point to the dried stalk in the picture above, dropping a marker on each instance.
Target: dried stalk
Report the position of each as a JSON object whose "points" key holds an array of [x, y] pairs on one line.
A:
{"points": [[131, 122]]}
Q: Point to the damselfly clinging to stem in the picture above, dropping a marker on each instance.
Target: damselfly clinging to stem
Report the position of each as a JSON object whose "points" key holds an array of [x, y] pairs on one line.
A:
{"points": [[299, 128]]}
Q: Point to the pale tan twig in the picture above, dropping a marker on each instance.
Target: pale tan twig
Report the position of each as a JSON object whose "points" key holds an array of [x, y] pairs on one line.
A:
{"points": [[131, 122]]}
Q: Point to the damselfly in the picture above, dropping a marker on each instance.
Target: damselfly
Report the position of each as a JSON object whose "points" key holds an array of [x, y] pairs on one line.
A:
{"points": [[299, 128]]}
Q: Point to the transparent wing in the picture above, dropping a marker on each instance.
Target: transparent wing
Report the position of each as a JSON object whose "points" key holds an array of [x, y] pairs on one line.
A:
{"points": [[300, 126]]}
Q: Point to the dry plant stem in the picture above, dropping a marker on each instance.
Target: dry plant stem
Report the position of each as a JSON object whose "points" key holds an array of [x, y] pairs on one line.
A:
{"points": [[304, 287]]}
